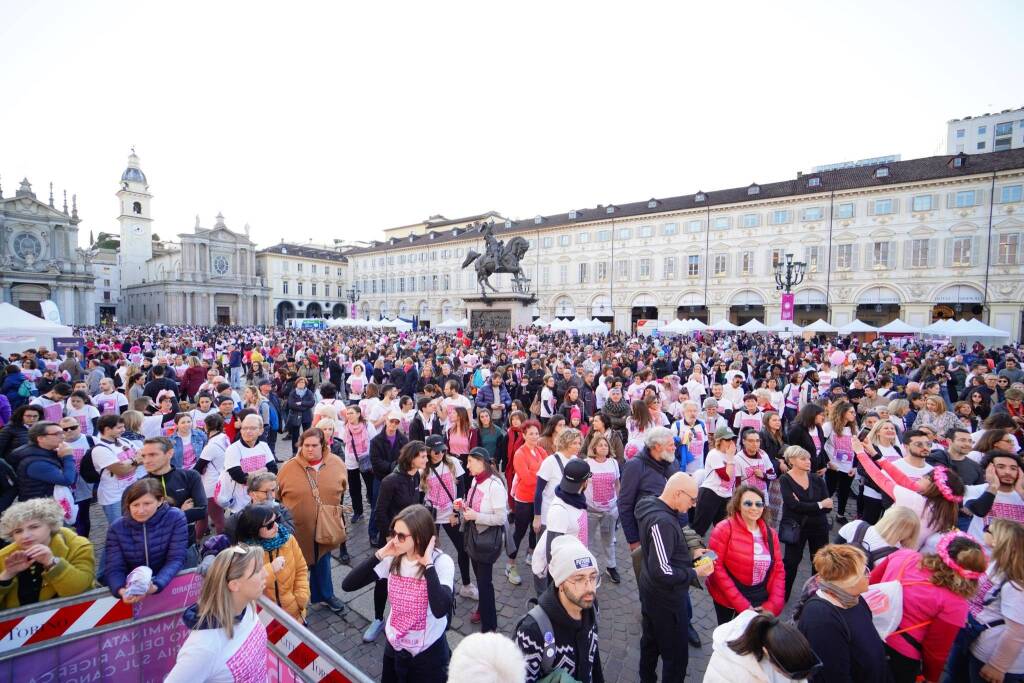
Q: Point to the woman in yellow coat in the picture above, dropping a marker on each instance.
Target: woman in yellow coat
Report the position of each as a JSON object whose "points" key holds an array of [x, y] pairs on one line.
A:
{"points": [[45, 560], [287, 574]]}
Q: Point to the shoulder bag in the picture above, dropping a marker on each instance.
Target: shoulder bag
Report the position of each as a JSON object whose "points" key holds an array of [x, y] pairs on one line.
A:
{"points": [[330, 522], [483, 544]]}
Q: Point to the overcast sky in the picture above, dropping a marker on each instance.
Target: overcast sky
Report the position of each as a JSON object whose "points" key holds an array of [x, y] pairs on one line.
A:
{"points": [[336, 119]]}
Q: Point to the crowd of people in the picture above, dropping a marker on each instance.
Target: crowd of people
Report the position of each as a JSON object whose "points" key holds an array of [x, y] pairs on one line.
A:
{"points": [[718, 458]]}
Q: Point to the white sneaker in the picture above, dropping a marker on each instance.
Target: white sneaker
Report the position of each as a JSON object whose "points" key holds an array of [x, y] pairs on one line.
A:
{"points": [[529, 557], [512, 574], [373, 631], [469, 591]]}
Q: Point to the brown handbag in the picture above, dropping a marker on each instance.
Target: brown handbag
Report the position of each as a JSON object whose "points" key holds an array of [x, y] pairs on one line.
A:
{"points": [[330, 520]]}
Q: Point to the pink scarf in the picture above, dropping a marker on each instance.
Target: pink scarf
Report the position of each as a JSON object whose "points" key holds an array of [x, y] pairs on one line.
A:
{"points": [[360, 441]]}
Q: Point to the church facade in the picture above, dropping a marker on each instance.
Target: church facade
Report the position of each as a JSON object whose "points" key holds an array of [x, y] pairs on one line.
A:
{"points": [[206, 277], [40, 259]]}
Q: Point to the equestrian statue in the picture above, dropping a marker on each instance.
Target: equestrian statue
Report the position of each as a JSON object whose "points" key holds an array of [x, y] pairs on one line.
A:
{"points": [[498, 257]]}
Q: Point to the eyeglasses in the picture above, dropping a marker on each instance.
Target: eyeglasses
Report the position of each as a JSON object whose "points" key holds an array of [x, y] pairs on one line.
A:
{"points": [[269, 525], [70, 429], [398, 536], [753, 504], [583, 580]]}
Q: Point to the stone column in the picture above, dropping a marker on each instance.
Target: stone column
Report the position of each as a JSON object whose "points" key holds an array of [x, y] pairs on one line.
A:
{"points": [[918, 315], [843, 314], [716, 313], [1006, 317], [213, 309], [89, 296]]}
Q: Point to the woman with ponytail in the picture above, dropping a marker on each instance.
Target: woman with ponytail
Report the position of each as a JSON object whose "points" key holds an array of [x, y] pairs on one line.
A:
{"points": [[226, 641], [936, 588], [758, 647]]}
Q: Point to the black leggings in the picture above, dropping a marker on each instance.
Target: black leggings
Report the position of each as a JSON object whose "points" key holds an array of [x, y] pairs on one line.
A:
{"points": [[380, 598], [355, 488], [814, 534], [839, 482], [294, 431], [457, 539], [710, 511], [523, 517]]}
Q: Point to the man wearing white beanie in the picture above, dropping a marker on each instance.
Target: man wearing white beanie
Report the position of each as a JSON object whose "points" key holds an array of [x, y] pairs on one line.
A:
{"points": [[560, 632]]}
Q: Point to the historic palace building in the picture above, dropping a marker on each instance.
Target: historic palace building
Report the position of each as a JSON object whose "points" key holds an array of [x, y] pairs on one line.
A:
{"points": [[922, 239]]}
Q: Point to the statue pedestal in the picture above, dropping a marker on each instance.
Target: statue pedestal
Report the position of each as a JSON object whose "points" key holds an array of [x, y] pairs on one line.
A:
{"points": [[499, 312]]}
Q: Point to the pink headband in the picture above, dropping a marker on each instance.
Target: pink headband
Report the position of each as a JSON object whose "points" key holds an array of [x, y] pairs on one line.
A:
{"points": [[942, 483], [943, 552]]}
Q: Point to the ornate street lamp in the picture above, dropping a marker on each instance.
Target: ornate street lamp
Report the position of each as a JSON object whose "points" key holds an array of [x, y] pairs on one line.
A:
{"points": [[352, 295], [788, 274]]}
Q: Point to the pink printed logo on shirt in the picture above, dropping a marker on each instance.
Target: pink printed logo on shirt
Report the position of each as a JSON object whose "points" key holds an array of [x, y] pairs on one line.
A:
{"points": [[584, 527], [125, 455], [436, 493], [1006, 511], [251, 463], [188, 453], [603, 487], [248, 664], [408, 596]]}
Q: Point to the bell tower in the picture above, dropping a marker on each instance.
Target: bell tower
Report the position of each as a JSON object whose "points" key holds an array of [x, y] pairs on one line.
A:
{"points": [[136, 223]]}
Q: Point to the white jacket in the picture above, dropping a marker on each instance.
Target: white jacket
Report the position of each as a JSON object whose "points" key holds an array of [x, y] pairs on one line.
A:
{"points": [[493, 504], [725, 666]]}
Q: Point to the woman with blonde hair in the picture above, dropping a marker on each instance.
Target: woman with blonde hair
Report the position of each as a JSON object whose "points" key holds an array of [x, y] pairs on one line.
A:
{"points": [[991, 646], [884, 441], [227, 641], [898, 528], [935, 415], [898, 409], [45, 559]]}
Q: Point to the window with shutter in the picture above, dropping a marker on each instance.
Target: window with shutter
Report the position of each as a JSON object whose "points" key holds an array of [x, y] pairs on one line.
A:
{"points": [[693, 265], [1008, 249], [721, 264], [959, 251]]}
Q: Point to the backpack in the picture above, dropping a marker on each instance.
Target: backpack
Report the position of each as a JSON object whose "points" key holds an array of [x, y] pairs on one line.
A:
{"points": [[547, 635], [874, 556], [27, 389], [87, 470]]}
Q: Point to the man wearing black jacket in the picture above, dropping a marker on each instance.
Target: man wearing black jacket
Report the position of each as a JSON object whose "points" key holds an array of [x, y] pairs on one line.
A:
{"points": [[665, 576], [569, 605], [183, 488], [425, 423], [384, 450]]}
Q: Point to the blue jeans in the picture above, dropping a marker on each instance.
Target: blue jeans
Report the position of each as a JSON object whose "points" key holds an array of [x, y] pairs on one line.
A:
{"points": [[374, 490], [236, 377], [321, 586], [112, 512]]}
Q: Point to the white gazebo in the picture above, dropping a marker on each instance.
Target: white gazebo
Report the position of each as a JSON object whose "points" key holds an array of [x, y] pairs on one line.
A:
{"points": [[20, 330], [897, 326], [723, 325], [754, 325], [856, 326], [820, 326]]}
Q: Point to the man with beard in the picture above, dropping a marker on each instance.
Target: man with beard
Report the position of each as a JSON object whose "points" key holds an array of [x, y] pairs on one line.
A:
{"points": [[560, 632], [1000, 497]]}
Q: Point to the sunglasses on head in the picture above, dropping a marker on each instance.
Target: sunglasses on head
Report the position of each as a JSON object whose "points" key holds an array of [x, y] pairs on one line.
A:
{"points": [[269, 525]]}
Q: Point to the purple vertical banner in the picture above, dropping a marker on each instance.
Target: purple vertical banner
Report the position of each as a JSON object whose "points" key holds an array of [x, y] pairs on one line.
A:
{"points": [[787, 308], [354, 313]]}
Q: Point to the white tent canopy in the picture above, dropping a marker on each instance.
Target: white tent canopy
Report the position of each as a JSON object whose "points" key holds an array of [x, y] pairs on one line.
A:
{"points": [[857, 327], [897, 326], [970, 331], [754, 325], [820, 325], [540, 322], [723, 325], [450, 324], [21, 330], [399, 324], [785, 326]]}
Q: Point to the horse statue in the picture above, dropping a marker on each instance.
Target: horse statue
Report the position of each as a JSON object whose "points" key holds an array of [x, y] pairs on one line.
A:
{"points": [[498, 258]]}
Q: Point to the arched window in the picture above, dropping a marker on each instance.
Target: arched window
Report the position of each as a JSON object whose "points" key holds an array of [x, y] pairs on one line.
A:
{"points": [[137, 208]]}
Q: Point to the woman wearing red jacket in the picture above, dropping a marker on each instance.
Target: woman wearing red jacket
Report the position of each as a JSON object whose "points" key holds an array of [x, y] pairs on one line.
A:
{"points": [[749, 570]]}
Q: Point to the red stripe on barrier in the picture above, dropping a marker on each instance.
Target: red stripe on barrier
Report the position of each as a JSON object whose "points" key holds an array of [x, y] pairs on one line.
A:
{"points": [[335, 676], [7, 626], [60, 622], [119, 612], [276, 631], [302, 655]]}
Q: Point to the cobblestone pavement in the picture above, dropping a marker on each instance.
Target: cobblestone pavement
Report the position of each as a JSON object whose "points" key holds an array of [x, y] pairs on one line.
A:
{"points": [[619, 621]]}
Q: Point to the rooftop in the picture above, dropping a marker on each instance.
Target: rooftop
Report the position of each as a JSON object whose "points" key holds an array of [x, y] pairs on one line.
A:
{"points": [[820, 183], [305, 251], [981, 116]]}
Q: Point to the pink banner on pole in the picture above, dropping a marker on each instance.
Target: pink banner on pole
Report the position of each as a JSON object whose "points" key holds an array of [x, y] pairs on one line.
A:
{"points": [[787, 308]]}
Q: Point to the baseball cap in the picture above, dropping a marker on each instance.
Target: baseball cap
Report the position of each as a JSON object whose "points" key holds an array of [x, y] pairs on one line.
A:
{"points": [[481, 453], [724, 432], [435, 442], [576, 472]]}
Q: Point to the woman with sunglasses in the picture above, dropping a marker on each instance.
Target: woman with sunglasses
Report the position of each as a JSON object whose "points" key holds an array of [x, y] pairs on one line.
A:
{"points": [[836, 620], [749, 570], [226, 641], [758, 647], [286, 571], [419, 580]]}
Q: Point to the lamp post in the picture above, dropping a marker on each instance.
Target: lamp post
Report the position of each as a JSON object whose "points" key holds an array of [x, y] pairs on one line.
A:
{"points": [[352, 294], [788, 274]]}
